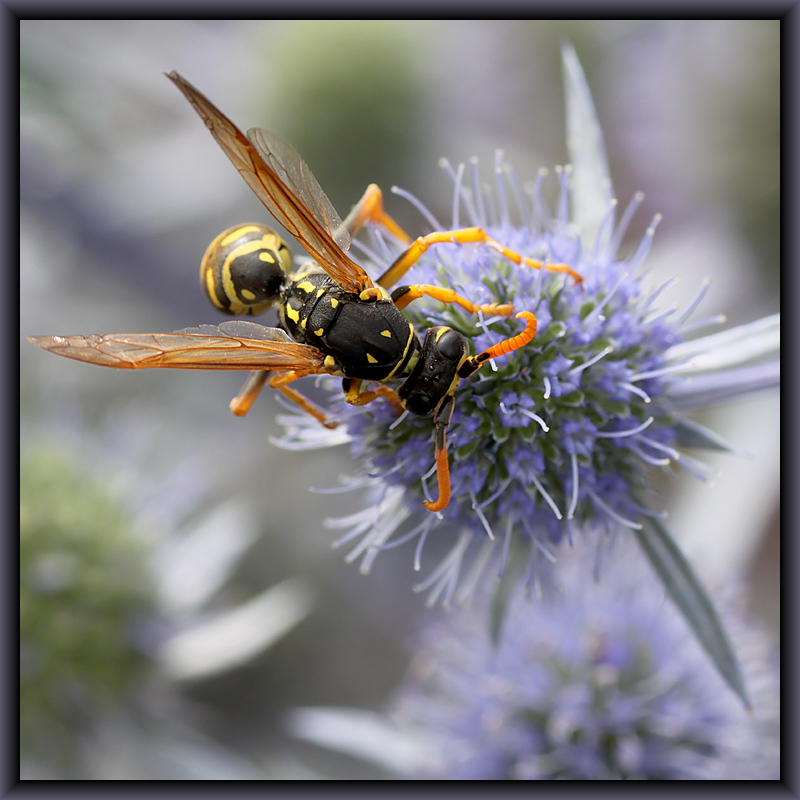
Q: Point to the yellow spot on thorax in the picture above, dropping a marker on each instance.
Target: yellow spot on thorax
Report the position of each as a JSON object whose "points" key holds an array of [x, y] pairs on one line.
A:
{"points": [[293, 314], [329, 362], [319, 332], [334, 302], [371, 359], [387, 334], [320, 292], [305, 286]]}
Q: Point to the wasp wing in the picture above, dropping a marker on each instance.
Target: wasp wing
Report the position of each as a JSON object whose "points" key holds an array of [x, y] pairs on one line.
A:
{"points": [[297, 176], [286, 186], [232, 345]]}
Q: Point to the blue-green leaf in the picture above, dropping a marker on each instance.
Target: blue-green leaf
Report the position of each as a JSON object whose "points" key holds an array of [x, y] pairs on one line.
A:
{"points": [[691, 598]]}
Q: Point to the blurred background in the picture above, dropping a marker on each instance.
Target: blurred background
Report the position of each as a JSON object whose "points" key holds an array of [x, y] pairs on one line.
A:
{"points": [[150, 514]]}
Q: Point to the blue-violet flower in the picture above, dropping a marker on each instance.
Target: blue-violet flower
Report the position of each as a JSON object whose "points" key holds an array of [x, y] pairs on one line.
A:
{"points": [[605, 683]]}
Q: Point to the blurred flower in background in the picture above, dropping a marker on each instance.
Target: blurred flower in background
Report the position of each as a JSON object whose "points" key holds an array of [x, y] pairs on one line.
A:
{"points": [[83, 585], [121, 190], [603, 683], [113, 621]]}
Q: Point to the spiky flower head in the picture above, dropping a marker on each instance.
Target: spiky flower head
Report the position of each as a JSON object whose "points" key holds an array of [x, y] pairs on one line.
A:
{"points": [[556, 442], [560, 433], [605, 683]]}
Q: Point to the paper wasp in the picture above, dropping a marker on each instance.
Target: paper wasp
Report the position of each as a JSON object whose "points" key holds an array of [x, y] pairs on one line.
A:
{"points": [[333, 319]]}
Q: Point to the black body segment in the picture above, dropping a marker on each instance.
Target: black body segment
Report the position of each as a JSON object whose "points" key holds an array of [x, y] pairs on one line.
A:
{"points": [[369, 339]]}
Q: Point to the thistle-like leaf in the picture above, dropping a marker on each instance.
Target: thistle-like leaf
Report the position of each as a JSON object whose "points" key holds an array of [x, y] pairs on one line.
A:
{"points": [[691, 598]]}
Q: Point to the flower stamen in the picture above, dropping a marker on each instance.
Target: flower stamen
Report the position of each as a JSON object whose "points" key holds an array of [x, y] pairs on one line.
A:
{"points": [[574, 501], [627, 216], [549, 500], [637, 526], [581, 367], [535, 417], [481, 516], [656, 462], [636, 390], [445, 576], [701, 293], [420, 206], [645, 244], [670, 451], [503, 486], [620, 434], [505, 220], [477, 193], [718, 319], [657, 373]]}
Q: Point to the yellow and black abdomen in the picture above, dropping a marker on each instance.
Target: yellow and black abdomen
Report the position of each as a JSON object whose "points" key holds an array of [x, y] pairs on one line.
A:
{"points": [[245, 269], [369, 339]]}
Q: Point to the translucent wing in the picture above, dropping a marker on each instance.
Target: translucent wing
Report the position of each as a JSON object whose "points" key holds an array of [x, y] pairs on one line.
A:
{"points": [[286, 186], [232, 345], [296, 175]]}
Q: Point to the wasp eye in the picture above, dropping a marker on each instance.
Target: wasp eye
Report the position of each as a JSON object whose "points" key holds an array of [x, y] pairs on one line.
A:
{"points": [[451, 344], [245, 269]]}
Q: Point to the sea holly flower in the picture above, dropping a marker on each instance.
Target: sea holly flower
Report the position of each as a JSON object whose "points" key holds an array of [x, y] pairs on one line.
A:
{"points": [[559, 438], [604, 683]]}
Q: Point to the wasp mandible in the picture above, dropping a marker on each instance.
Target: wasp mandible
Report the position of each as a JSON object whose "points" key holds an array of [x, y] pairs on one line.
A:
{"points": [[333, 319]]}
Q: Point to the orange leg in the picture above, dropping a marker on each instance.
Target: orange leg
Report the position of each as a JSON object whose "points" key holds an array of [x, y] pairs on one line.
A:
{"points": [[370, 209], [240, 404], [281, 380], [442, 420], [418, 290], [442, 476], [356, 397], [515, 342], [474, 363], [462, 236]]}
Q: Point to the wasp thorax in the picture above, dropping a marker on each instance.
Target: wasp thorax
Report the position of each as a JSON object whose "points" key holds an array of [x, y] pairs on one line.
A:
{"points": [[245, 268]]}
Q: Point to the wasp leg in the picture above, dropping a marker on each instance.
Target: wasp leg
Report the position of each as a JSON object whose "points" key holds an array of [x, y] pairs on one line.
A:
{"points": [[240, 404], [442, 421], [356, 397], [404, 295], [281, 379], [474, 363], [370, 209], [462, 236]]}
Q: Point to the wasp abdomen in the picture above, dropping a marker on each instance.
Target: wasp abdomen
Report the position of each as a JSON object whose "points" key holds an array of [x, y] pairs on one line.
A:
{"points": [[245, 269]]}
